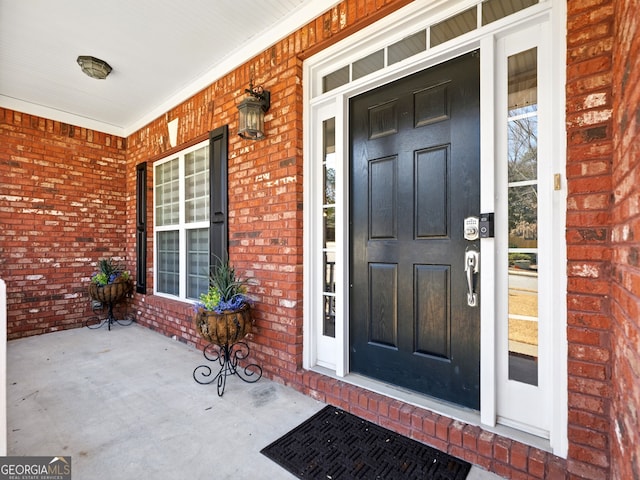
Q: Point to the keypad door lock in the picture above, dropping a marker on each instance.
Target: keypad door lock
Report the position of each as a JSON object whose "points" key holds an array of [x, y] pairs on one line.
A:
{"points": [[471, 228]]}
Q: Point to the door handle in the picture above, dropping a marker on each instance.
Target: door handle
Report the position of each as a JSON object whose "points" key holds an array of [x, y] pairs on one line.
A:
{"points": [[471, 268]]}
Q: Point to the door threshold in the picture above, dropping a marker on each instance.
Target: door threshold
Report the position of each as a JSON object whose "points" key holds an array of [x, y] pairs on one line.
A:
{"points": [[439, 407]]}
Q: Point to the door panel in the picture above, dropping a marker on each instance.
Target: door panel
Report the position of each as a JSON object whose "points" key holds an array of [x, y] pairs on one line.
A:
{"points": [[414, 177], [383, 198], [432, 320], [383, 320], [431, 192]]}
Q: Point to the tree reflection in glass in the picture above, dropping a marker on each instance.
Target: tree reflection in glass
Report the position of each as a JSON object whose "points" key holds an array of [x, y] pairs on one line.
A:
{"points": [[522, 121]]}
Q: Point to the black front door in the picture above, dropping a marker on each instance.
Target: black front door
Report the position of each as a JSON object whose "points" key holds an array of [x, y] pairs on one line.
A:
{"points": [[414, 178]]}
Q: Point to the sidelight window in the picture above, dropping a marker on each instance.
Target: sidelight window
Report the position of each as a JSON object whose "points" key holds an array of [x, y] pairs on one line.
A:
{"points": [[329, 226], [529, 254], [522, 186]]}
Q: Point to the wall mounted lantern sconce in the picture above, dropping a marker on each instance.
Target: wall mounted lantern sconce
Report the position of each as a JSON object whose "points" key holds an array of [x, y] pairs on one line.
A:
{"points": [[251, 113], [94, 67]]}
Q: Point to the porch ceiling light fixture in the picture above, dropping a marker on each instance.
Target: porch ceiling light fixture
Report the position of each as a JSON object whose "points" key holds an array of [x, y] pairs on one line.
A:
{"points": [[94, 67], [251, 112]]}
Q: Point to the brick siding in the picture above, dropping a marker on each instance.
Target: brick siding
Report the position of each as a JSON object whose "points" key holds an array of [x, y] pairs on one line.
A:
{"points": [[62, 207], [589, 150], [625, 233]]}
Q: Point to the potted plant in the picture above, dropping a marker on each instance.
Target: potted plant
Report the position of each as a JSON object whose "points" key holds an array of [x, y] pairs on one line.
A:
{"points": [[223, 318], [223, 314], [111, 283]]}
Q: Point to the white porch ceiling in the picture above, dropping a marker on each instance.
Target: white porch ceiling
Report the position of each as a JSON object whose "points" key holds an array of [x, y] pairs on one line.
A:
{"points": [[161, 52]]}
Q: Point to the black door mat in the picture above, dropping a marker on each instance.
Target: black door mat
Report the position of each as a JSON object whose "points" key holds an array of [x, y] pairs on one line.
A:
{"points": [[337, 445]]}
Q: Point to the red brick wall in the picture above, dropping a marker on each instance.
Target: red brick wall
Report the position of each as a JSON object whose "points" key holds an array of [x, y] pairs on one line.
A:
{"points": [[62, 207], [625, 239], [589, 150]]}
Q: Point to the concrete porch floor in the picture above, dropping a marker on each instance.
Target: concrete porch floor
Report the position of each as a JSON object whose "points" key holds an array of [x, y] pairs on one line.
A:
{"points": [[123, 404]]}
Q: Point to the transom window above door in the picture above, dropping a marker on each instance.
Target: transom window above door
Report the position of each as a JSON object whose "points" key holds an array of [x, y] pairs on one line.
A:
{"points": [[434, 35]]}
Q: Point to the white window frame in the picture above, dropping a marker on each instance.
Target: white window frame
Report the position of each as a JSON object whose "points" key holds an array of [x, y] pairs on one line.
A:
{"points": [[181, 227], [331, 358]]}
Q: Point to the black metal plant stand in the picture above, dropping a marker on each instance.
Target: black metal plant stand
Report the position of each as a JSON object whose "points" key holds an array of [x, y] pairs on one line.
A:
{"points": [[227, 357], [110, 319]]}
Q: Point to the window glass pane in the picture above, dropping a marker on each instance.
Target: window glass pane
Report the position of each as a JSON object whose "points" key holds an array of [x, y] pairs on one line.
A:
{"points": [[523, 148], [329, 224], [329, 323], [523, 318], [167, 193], [168, 268], [329, 221], [522, 124], [329, 141], [523, 83], [493, 10], [407, 47], [368, 64], [523, 217], [335, 79], [454, 27], [197, 262], [197, 185]]}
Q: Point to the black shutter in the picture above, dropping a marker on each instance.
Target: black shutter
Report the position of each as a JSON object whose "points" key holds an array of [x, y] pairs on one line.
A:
{"points": [[218, 195], [141, 228]]}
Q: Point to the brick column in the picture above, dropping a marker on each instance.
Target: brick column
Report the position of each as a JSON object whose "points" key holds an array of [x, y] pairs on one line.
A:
{"points": [[625, 236], [590, 30]]}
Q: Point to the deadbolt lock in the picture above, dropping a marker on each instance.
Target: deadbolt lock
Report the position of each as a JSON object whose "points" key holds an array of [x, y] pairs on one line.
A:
{"points": [[471, 228]]}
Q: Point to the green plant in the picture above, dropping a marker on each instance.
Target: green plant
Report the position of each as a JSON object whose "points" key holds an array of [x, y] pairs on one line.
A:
{"points": [[226, 290], [109, 272], [210, 299], [100, 278]]}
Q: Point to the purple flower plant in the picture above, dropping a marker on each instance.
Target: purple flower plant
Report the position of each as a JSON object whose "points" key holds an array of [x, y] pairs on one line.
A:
{"points": [[235, 303]]}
